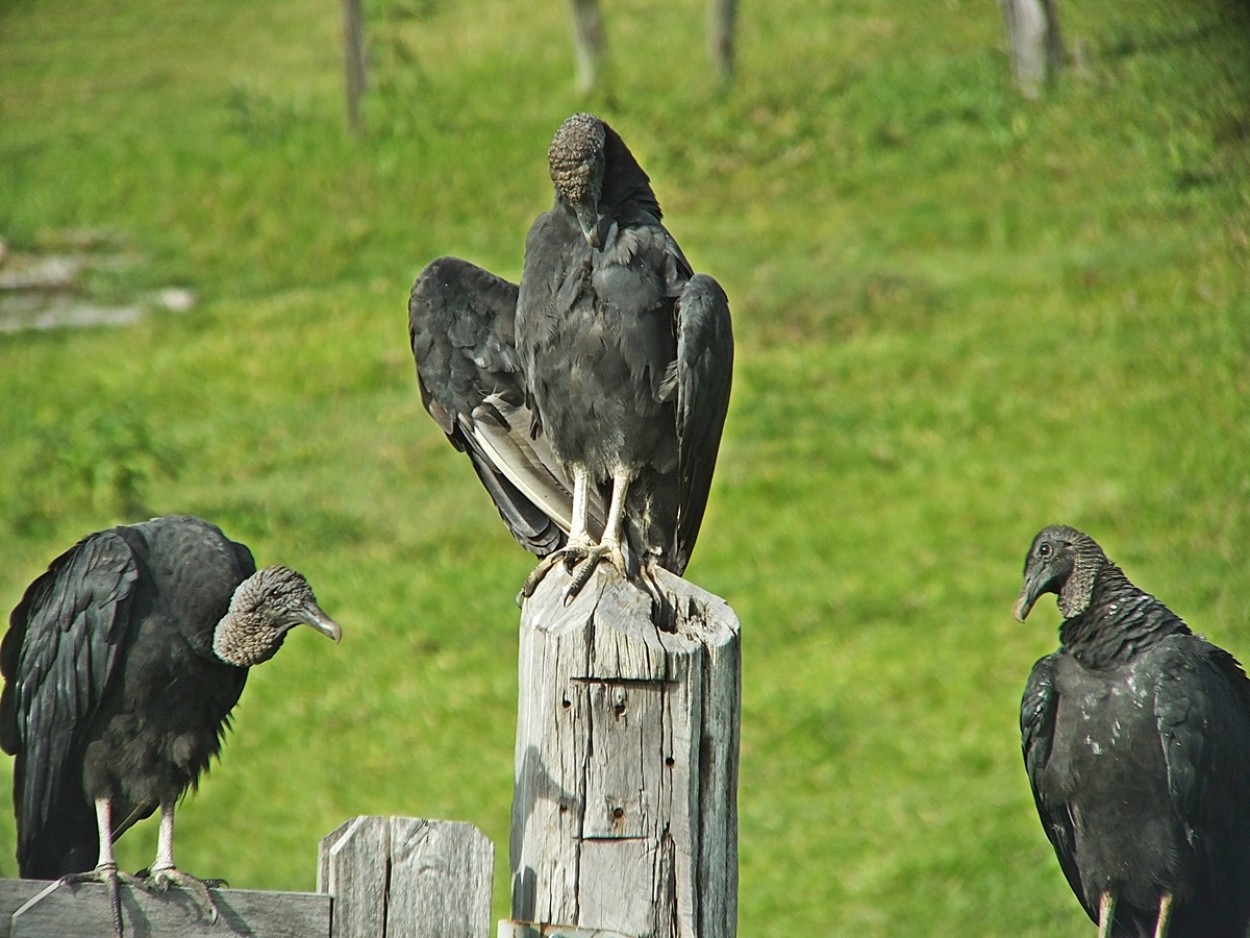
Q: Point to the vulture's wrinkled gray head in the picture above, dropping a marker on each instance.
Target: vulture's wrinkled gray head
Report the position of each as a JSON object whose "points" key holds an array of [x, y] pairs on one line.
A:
{"points": [[576, 160], [1061, 560], [266, 606]]}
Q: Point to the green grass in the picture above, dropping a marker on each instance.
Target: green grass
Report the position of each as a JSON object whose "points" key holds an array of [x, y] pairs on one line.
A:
{"points": [[960, 316]]}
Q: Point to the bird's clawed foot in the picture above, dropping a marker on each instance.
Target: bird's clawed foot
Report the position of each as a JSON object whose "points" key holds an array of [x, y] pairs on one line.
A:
{"points": [[162, 877], [567, 555], [593, 556], [110, 876], [579, 559]]}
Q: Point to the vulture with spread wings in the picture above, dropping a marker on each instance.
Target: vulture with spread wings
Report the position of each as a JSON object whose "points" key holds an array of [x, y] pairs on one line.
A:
{"points": [[591, 398]]}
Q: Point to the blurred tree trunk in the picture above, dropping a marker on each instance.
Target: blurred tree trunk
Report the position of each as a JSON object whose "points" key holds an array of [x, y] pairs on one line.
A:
{"points": [[721, 17], [1036, 50], [354, 60], [588, 40]]}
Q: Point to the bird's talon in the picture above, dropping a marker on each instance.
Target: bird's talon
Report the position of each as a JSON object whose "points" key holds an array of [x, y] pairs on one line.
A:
{"points": [[581, 577], [164, 877]]}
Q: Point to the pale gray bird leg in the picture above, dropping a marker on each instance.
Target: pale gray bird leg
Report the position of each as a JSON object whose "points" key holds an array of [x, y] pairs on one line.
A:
{"points": [[1106, 913], [163, 873], [106, 866], [609, 547], [579, 543], [1164, 921]]}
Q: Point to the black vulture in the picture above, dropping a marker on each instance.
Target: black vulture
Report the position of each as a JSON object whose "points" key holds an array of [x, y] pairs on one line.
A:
{"points": [[121, 665], [1136, 737], [591, 399]]}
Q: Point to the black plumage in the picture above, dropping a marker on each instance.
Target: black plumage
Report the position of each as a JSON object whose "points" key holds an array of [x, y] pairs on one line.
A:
{"points": [[590, 400], [1136, 738], [121, 665]]}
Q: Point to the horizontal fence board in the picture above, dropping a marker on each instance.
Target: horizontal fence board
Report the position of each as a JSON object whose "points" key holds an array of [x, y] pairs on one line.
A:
{"points": [[83, 910], [15, 893]]}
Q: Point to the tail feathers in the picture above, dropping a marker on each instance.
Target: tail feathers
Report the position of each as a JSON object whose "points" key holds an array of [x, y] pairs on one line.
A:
{"points": [[54, 860], [68, 842]]}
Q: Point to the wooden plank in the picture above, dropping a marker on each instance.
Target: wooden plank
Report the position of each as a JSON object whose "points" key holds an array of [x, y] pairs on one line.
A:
{"points": [[352, 865], [15, 893], [400, 876], [57, 911], [624, 814], [441, 877]]}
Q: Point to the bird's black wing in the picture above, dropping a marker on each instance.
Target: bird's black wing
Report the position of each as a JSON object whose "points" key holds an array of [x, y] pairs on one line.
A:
{"points": [[461, 322], [64, 646], [1202, 706], [702, 374], [1037, 733]]}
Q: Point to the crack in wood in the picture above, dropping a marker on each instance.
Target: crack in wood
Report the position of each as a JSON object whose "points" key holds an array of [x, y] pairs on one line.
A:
{"points": [[625, 681]]}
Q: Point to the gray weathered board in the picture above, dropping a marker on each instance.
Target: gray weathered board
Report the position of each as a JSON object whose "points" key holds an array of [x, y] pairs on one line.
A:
{"points": [[398, 876], [378, 877], [624, 815], [36, 909]]}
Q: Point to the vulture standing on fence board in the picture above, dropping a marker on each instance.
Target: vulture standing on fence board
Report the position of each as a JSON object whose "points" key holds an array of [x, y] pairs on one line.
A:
{"points": [[590, 399], [1136, 737], [121, 665]]}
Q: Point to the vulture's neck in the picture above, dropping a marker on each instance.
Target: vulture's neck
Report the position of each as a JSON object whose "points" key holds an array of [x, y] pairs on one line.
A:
{"points": [[1118, 621], [244, 639]]}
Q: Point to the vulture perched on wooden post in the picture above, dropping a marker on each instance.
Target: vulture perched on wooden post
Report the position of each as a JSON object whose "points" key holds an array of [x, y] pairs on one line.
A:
{"points": [[591, 399], [1136, 737], [121, 665]]}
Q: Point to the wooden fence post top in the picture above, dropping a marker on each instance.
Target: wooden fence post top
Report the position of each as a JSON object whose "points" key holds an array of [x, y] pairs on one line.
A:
{"points": [[610, 600], [624, 813]]}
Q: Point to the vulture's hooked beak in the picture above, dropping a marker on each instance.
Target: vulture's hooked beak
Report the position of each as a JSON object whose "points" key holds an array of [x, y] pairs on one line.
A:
{"points": [[316, 619], [588, 220], [1034, 586]]}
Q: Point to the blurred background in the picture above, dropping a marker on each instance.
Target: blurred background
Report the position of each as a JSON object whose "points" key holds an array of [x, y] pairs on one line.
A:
{"points": [[961, 314]]}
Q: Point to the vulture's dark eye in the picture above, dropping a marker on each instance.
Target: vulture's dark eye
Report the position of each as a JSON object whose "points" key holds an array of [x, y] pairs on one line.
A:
{"points": [[1043, 550]]}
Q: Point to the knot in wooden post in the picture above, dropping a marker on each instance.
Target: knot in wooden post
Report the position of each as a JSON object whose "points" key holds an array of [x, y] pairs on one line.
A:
{"points": [[624, 815]]}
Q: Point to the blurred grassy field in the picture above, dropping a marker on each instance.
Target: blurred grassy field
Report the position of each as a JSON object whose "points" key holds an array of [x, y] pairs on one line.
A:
{"points": [[960, 316]]}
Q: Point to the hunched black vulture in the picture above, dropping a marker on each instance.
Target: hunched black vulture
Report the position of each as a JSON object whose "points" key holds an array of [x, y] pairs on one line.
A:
{"points": [[121, 665], [591, 399], [1136, 738]]}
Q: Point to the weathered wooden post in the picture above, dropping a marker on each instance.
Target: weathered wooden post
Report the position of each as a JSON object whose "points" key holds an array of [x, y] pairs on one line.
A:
{"points": [[624, 814], [393, 877], [1036, 49], [588, 40], [355, 69], [721, 18], [588, 43]]}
